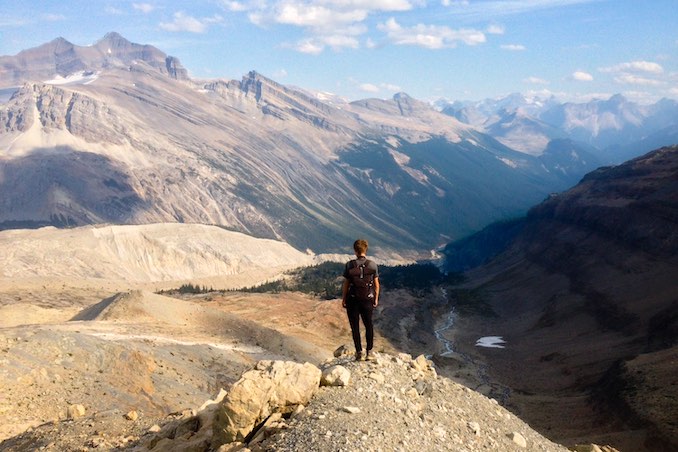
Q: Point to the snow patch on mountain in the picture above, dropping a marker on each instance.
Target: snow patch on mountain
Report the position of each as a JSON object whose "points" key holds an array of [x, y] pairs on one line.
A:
{"points": [[491, 342], [78, 78], [508, 162]]}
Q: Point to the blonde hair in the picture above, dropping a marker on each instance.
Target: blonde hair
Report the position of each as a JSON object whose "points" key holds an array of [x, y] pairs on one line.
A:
{"points": [[360, 246]]}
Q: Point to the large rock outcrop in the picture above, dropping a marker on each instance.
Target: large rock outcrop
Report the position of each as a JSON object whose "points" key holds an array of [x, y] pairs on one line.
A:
{"points": [[394, 402], [272, 386]]}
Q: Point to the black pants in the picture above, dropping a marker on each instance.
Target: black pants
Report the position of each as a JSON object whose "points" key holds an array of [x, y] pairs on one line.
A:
{"points": [[356, 310]]}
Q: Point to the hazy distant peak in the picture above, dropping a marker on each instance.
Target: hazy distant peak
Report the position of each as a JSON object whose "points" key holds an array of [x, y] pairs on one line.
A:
{"points": [[60, 41], [401, 96], [113, 36], [400, 104], [617, 99]]}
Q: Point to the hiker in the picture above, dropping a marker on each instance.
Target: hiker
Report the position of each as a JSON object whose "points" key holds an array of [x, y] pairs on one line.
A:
{"points": [[360, 295]]}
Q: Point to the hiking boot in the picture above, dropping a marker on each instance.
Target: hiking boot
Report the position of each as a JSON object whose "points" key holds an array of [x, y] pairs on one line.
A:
{"points": [[358, 356], [369, 356]]}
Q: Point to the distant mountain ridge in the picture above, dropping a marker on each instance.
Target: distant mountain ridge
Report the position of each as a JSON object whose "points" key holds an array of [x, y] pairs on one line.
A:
{"points": [[616, 128]]}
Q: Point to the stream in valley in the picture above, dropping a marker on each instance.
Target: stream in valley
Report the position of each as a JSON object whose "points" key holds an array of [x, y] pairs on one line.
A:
{"points": [[448, 350]]}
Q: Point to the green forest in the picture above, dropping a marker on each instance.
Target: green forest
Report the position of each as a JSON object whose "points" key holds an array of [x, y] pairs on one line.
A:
{"points": [[325, 280]]}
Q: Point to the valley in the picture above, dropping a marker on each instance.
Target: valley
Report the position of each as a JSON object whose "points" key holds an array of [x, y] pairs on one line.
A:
{"points": [[585, 291]]}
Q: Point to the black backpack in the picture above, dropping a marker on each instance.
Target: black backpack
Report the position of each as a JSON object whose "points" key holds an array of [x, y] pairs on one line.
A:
{"points": [[362, 281]]}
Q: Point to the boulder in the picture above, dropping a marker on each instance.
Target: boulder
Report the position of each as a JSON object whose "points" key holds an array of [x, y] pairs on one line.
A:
{"points": [[342, 350], [272, 386], [518, 439], [75, 411], [335, 376], [422, 364]]}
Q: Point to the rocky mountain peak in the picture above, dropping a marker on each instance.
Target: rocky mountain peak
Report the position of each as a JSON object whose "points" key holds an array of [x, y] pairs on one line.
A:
{"points": [[617, 99], [63, 58], [113, 36], [401, 104], [253, 83], [402, 97], [59, 42], [408, 105]]}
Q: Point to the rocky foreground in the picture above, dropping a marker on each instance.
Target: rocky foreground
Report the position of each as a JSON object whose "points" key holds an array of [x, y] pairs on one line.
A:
{"points": [[394, 402]]}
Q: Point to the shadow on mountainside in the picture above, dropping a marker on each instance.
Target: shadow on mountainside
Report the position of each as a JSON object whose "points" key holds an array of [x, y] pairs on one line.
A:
{"points": [[68, 188], [585, 297]]}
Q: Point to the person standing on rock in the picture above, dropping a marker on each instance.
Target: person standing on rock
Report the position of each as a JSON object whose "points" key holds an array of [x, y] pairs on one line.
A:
{"points": [[360, 295]]}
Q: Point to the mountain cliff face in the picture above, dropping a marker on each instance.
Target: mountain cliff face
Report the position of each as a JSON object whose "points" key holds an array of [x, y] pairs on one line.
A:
{"points": [[587, 301], [132, 141]]}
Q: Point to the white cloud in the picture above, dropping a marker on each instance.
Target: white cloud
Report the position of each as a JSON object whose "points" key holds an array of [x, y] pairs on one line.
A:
{"points": [[391, 87], [143, 7], [317, 16], [513, 47], [631, 79], [369, 88], [495, 30], [327, 23], [309, 46], [545, 94], [642, 73], [635, 67], [280, 73], [245, 5], [375, 88], [318, 13], [500, 8], [182, 22], [376, 5], [340, 41], [316, 45], [430, 36], [582, 76], [536, 81], [236, 6]]}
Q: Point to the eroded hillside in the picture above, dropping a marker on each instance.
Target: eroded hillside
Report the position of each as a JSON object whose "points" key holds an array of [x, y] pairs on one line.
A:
{"points": [[586, 293]]}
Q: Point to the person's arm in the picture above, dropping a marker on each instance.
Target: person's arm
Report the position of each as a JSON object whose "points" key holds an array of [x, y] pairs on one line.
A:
{"points": [[344, 292], [376, 292]]}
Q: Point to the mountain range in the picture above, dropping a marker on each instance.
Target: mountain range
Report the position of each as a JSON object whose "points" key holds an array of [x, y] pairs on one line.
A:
{"points": [[610, 130], [118, 133]]}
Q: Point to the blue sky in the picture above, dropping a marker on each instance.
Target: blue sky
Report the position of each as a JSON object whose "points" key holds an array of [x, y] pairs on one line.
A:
{"points": [[454, 49]]}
